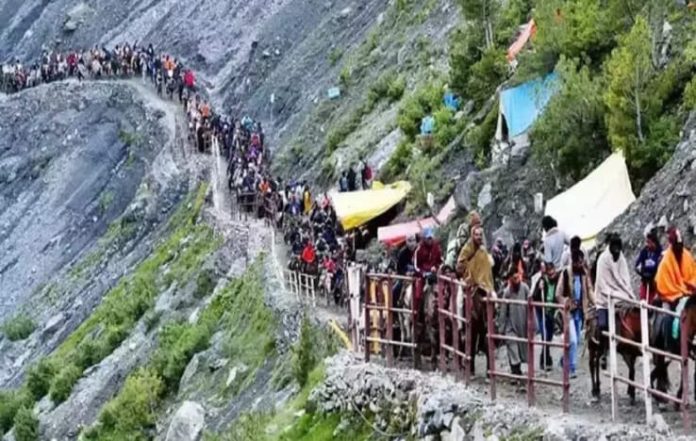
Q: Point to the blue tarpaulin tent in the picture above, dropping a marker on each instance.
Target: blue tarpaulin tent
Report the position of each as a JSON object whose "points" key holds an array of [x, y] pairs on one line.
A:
{"points": [[427, 125], [520, 106], [451, 101]]}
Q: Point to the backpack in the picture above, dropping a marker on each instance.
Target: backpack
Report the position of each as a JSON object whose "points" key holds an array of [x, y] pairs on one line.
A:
{"points": [[367, 173]]}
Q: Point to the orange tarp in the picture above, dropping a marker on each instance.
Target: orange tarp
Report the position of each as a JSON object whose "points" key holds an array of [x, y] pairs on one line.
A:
{"points": [[673, 280], [518, 45]]}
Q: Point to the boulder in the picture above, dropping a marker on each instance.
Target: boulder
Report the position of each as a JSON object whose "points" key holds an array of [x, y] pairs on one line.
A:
{"points": [[53, 324], [188, 423], [77, 16]]}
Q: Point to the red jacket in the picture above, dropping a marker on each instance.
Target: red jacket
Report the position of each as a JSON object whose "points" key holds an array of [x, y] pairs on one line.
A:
{"points": [[189, 79], [427, 257]]}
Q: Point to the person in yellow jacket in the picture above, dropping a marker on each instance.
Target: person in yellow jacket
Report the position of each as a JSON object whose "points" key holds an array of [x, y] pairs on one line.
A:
{"points": [[307, 200]]}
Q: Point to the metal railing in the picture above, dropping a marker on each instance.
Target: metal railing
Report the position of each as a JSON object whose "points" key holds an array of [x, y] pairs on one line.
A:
{"points": [[449, 311], [532, 342], [379, 313], [644, 347]]}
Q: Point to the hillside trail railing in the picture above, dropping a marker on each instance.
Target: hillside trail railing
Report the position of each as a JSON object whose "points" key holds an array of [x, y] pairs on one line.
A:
{"points": [[450, 313], [379, 317], [532, 342], [646, 349], [303, 286]]}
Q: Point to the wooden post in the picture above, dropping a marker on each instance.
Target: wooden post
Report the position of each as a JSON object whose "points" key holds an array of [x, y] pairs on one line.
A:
{"points": [[612, 357], [491, 343], [531, 335], [441, 325], [644, 343]]}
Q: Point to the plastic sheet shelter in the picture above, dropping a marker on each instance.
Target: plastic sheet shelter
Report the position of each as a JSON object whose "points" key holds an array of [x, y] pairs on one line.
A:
{"points": [[356, 208], [590, 205], [519, 44], [520, 107], [395, 235]]}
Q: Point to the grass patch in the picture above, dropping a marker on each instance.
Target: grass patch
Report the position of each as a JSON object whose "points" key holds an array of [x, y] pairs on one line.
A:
{"points": [[18, 327], [183, 252], [205, 283], [239, 309], [105, 201], [129, 138], [26, 425]]}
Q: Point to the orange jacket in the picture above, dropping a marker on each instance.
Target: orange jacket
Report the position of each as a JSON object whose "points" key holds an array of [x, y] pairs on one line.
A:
{"points": [[674, 281]]}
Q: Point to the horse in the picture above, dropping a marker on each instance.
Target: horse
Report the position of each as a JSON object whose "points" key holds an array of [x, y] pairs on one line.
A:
{"points": [[628, 321], [662, 339]]}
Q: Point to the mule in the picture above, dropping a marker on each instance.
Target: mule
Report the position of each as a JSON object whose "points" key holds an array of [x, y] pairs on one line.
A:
{"points": [[663, 340], [628, 327]]}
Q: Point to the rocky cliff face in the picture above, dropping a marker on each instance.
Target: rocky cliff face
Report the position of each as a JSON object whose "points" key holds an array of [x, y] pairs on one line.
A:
{"points": [[668, 197]]}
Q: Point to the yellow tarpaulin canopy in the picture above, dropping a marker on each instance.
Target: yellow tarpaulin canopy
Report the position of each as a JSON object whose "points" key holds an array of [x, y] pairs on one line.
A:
{"points": [[356, 208], [590, 205]]}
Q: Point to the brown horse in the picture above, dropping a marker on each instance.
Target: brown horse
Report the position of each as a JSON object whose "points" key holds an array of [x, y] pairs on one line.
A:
{"points": [[663, 340], [628, 327]]}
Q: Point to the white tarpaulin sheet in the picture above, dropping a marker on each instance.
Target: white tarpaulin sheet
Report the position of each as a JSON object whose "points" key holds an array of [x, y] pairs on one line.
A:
{"points": [[592, 204]]}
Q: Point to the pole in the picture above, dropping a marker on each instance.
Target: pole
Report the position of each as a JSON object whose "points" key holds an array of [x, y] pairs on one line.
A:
{"points": [[644, 343], [441, 325], [491, 344], [468, 329], [368, 325], [685, 334], [566, 356], [612, 357], [531, 333], [390, 322]]}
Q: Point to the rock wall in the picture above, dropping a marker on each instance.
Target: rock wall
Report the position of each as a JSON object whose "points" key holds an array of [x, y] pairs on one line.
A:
{"points": [[404, 403]]}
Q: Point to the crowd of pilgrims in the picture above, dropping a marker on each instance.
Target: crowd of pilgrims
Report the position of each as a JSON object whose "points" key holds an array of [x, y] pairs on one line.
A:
{"points": [[555, 270]]}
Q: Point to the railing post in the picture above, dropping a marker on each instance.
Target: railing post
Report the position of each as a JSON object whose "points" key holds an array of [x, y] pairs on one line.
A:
{"points": [[685, 334], [531, 336], [390, 321], [566, 356], [368, 324], [441, 324], [468, 326], [417, 291], [456, 359], [491, 343], [612, 356], [644, 343]]}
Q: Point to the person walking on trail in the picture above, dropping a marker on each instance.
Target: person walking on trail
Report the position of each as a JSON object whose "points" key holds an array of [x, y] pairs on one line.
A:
{"points": [[554, 242], [676, 276], [352, 179], [512, 320], [343, 182], [575, 287], [647, 264], [366, 176], [428, 256], [545, 291], [474, 264], [613, 278]]}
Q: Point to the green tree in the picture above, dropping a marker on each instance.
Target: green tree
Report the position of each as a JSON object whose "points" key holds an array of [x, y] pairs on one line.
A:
{"points": [[482, 12], [629, 103], [464, 52], [486, 75], [570, 135]]}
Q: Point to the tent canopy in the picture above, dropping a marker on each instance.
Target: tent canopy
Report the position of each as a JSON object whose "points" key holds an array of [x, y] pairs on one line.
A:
{"points": [[356, 208], [394, 235], [525, 35], [522, 105], [590, 205]]}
